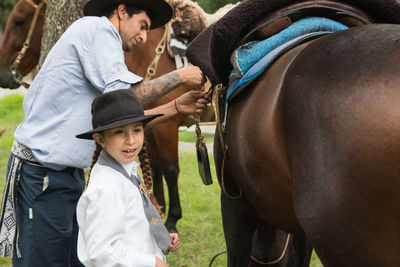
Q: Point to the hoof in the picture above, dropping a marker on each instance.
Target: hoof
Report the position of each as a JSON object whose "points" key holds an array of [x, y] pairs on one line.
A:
{"points": [[174, 230]]}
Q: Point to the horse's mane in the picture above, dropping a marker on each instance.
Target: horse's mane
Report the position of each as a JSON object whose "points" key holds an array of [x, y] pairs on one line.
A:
{"points": [[211, 50]]}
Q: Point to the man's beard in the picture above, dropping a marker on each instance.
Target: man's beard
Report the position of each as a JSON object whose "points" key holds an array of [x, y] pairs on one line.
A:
{"points": [[127, 46]]}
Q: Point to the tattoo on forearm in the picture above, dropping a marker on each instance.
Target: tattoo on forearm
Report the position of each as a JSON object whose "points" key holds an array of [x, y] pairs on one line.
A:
{"points": [[149, 91]]}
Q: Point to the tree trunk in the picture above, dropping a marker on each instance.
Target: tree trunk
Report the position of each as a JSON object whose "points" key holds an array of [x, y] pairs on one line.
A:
{"points": [[59, 15]]}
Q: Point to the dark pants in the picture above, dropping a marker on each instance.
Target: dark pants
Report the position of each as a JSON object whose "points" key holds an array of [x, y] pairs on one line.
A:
{"points": [[46, 216]]}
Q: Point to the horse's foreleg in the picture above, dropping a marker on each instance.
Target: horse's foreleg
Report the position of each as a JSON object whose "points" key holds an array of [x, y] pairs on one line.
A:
{"points": [[166, 141], [274, 247], [239, 226], [300, 251], [158, 186], [171, 173], [238, 223], [270, 246], [156, 172]]}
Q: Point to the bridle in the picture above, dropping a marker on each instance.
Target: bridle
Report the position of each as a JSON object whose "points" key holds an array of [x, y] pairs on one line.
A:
{"points": [[14, 67], [160, 49]]}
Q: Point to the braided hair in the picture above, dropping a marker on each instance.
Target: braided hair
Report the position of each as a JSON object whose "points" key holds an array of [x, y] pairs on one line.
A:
{"points": [[96, 155], [146, 171]]}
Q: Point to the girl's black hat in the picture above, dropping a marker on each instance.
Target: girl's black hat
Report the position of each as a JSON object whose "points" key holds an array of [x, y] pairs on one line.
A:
{"points": [[115, 109]]}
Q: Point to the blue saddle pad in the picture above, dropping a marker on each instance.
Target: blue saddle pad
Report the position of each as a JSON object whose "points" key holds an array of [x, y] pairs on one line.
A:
{"points": [[250, 60]]}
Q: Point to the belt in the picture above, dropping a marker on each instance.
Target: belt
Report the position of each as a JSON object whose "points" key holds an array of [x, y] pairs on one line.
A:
{"points": [[25, 153]]}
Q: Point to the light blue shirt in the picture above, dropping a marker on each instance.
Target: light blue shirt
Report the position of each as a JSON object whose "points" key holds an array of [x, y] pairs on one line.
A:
{"points": [[87, 61]]}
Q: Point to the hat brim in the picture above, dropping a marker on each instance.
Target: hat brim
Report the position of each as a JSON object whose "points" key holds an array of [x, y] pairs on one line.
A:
{"points": [[145, 119], [161, 11]]}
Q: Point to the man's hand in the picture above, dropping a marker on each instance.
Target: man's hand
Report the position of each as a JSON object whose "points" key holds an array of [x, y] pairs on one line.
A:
{"points": [[175, 242], [192, 77], [193, 101]]}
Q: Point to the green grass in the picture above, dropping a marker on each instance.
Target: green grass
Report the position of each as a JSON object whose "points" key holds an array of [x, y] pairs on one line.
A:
{"points": [[200, 229], [11, 115]]}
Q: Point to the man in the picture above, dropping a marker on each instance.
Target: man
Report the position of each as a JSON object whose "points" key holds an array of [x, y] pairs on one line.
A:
{"points": [[47, 160]]}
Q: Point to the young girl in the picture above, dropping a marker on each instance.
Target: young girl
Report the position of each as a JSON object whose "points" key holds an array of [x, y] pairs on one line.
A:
{"points": [[118, 223]]}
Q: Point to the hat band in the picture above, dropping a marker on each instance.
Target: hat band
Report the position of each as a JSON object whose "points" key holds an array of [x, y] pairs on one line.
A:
{"points": [[118, 119]]}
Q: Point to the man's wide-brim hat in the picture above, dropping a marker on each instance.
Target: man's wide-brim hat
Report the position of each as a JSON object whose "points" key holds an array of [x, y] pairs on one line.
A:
{"points": [[160, 11], [115, 109]]}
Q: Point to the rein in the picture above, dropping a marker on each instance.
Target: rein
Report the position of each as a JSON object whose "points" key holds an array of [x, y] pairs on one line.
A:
{"points": [[14, 67]]}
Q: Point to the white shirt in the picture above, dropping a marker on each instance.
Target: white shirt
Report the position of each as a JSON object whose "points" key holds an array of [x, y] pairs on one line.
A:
{"points": [[86, 61], [113, 229]]}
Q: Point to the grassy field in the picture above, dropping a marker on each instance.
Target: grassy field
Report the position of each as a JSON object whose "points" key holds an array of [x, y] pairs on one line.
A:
{"points": [[200, 228]]}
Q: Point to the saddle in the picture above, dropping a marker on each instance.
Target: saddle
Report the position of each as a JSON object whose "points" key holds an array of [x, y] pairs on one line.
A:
{"points": [[276, 21], [258, 19]]}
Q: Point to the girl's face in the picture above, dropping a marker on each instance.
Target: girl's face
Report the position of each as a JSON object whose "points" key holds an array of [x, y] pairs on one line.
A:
{"points": [[123, 143]]}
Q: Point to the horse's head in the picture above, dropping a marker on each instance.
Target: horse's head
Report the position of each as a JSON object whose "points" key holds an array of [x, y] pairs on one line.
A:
{"points": [[189, 19], [17, 43]]}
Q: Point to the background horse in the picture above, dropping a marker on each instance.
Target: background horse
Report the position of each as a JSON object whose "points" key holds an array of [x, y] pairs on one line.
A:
{"points": [[15, 35], [312, 146], [163, 140]]}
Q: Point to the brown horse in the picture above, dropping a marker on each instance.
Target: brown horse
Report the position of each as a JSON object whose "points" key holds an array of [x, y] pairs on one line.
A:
{"points": [[163, 140], [15, 35], [312, 147]]}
